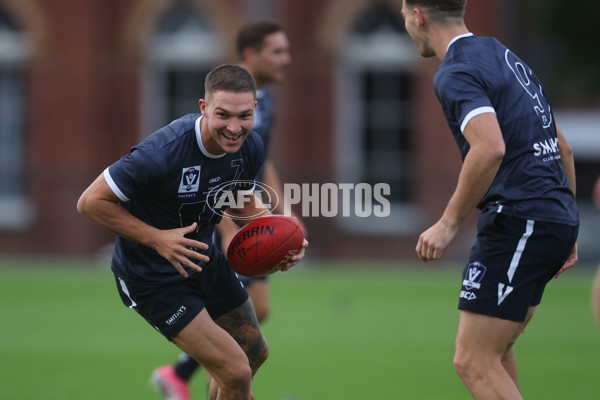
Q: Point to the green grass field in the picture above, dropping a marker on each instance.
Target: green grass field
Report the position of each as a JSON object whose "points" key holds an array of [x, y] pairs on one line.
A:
{"points": [[359, 332]]}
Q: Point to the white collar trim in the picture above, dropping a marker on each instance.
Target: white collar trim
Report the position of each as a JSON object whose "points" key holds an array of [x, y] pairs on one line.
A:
{"points": [[201, 145], [458, 37]]}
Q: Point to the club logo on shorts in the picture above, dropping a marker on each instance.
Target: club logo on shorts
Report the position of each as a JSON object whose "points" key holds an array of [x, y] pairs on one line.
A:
{"points": [[475, 272], [190, 179]]}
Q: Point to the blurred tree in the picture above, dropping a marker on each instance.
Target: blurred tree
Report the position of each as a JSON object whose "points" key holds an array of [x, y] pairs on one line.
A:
{"points": [[562, 43]]}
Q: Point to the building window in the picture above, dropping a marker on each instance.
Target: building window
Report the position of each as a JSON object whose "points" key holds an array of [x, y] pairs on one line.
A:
{"points": [[182, 50], [15, 208], [374, 116]]}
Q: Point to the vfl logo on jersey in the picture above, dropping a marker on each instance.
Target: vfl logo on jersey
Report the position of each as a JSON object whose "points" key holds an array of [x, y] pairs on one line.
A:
{"points": [[190, 179], [475, 272]]}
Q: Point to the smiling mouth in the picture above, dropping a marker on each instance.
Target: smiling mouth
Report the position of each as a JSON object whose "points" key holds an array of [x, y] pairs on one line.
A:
{"points": [[232, 138]]}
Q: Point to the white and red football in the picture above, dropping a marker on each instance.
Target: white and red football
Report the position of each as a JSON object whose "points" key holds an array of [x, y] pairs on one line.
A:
{"points": [[264, 245]]}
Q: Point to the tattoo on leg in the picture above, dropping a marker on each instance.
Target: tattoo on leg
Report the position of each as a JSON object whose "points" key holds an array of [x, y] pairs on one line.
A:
{"points": [[242, 325]]}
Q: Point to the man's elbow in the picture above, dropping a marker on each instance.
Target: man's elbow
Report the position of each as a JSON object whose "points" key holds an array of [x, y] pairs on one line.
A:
{"points": [[83, 204], [496, 154]]}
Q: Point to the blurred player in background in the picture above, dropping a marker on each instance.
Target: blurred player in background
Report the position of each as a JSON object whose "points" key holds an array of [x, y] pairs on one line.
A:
{"points": [[596, 284], [166, 267], [263, 49], [518, 170]]}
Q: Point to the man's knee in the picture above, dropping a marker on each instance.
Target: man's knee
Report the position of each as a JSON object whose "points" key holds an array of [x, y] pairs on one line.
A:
{"points": [[461, 364], [239, 377], [233, 377], [467, 365], [258, 355]]}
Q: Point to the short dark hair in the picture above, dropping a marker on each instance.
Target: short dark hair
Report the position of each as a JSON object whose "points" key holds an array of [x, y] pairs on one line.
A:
{"points": [[449, 8], [253, 35], [229, 78]]}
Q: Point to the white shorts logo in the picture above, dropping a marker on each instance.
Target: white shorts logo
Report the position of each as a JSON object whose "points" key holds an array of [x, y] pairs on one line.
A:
{"points": [[467, 295]]}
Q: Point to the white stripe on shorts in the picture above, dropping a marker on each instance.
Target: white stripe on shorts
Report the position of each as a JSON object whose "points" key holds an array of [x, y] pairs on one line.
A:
{"points": [[520, 247], [126, 291]]}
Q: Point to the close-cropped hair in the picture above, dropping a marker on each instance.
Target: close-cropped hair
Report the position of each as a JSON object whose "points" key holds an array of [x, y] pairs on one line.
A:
{"points": [[253, 35], [447, 8], [229, 78]]}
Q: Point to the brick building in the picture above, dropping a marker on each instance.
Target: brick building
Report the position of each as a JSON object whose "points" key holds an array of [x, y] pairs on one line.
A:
{"points": [[83, 80]]}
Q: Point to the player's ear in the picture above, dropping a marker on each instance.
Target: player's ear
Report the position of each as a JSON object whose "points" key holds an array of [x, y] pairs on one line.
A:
{"points": [[248, 53], [421, 17], [202, 104]]}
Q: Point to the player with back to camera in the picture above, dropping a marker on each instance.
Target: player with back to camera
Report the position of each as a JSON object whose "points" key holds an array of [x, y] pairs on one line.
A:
{"points": [[264, 50], [518, 170], [166, 267]]}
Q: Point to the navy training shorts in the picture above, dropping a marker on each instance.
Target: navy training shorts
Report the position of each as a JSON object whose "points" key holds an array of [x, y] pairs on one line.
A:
{"points": [[510, 264], [171, 307]]}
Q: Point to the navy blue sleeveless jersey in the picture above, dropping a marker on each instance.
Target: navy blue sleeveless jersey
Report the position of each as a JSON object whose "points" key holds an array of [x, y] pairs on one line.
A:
{"points": [[168, 181], [480, 75]]}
